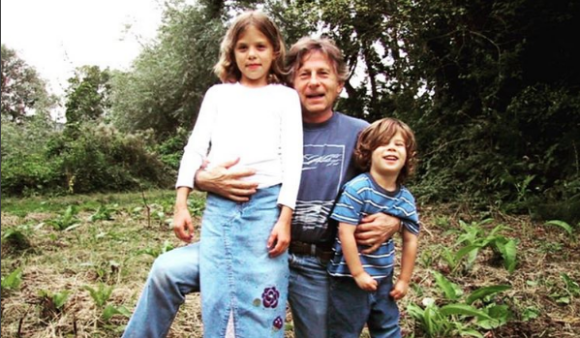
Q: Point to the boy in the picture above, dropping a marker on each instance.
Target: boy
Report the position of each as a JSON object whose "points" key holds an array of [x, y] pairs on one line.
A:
{"points": [[361, 284]]}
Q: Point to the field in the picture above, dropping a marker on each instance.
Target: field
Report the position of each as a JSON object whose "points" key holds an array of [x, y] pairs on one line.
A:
{"points": [[74, 267]]}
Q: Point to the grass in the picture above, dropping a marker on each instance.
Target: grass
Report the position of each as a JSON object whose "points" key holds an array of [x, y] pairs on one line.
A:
{"points": [[114, 252]]}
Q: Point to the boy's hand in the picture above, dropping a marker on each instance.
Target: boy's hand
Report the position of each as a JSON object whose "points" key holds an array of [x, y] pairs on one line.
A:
{"points": [[279, 239], [366, 282], [400, 290], [182, 225]]}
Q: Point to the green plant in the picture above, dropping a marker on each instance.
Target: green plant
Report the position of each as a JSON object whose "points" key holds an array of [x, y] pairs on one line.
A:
{"points": [[475, 238], [101, 294], [453, 318], [12, 281], [446, 321], [65, 220], [53, 303], [104, 213], [17, 238], [563, 225], [155, 252]]}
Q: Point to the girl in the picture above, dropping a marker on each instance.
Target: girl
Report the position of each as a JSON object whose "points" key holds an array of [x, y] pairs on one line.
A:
{"points": [[250, 117]]}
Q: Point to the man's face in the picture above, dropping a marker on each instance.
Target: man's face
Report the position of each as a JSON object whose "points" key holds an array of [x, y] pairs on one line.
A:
{"points": [[317, 85]]}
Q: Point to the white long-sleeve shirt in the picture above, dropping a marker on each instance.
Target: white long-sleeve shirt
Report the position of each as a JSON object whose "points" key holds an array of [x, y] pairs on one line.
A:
{"points": [[262, 126]]}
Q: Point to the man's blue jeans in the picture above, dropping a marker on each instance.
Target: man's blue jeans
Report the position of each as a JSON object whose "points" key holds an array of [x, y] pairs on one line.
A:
{"points": [[173, 275], [308, 296], [176, 274]]}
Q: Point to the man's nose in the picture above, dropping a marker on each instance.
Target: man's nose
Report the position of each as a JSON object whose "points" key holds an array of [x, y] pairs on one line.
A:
{"points": [[313, 80]]}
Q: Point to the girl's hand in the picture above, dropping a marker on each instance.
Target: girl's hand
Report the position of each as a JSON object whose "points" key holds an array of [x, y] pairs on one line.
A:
{"points": [[366, 282], [182, 225], [400, 290], [279, 238]]}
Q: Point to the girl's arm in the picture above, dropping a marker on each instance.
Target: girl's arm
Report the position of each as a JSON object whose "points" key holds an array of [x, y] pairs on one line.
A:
{"points": [[291, 147], [351, 255], [198, 144], [410, 242], [280, 236], [182, 225]]}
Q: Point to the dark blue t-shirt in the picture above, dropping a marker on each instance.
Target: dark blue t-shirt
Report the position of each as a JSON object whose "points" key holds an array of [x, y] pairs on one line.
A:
{"points": [[327, 166]]}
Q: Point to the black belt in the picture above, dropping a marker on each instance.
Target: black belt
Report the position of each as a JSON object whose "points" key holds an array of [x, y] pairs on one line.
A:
{"points": [[322, 251]]}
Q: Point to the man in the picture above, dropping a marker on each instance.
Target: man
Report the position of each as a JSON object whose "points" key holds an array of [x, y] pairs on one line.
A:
{"points": [[318, 73]]}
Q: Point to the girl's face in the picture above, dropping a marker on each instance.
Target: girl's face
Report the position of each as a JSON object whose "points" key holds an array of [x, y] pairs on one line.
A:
{"points": [[254, 55], [389, 159]]}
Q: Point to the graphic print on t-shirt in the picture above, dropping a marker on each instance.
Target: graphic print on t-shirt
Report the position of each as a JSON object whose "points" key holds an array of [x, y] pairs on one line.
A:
{"points": [[323, 164]]}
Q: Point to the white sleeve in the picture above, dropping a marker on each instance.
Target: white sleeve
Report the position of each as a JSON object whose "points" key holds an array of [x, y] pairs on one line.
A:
{"points": [[291, 143], [199, 141]]}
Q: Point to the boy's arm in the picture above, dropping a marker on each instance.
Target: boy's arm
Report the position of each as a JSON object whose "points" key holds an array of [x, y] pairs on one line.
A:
{"points": [[280, 236], [410, 242], [182, 225], [351, 255]]}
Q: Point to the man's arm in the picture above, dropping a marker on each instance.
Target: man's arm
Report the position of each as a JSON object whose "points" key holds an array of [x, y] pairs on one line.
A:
{"points": [[376, 229], [228, 183]]}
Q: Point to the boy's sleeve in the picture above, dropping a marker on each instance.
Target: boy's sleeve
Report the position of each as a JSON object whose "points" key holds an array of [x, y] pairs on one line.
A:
{"points": [[348, 207], [408, 212]]}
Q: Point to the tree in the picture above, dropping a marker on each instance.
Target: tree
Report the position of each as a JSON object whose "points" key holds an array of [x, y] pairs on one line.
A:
{"points": [[166, 85], [23, 91], [87, 97]]}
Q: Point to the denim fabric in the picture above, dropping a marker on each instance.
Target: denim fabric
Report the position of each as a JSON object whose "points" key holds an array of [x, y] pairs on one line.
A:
{"points": [[350, 307], [308, 296], [174, 274], [252, 287]]}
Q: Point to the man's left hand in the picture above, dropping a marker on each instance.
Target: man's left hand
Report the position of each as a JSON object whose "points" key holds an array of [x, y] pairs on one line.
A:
{"points": [[376, 229]]}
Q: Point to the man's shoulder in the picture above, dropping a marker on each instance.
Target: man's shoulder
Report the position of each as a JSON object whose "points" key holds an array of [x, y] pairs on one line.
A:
{"points": [[353, 122]]}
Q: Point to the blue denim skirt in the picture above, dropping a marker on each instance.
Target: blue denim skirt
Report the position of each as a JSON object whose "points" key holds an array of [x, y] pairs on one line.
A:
{"points": [[238, 278]]}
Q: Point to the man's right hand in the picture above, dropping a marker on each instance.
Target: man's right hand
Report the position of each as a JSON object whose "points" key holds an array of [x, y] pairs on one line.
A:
{"points": [[228, 183]]}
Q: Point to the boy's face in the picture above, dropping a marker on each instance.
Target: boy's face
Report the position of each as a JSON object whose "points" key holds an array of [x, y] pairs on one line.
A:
{"points": [[389, 159]]}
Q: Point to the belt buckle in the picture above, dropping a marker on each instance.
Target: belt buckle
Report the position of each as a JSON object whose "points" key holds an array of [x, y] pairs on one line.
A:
{"points": [[313, 250]]}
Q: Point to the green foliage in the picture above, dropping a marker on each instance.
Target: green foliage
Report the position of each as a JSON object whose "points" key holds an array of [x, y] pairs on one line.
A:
{"points": [[101, 294], [87, 97], [65, 220], [165, 88], [99, 158], [155, 252], [17, 238], [12, 281], [23, 91], [53, 303], [454, 319], [103, 213], [474, 238], [563, 225]]}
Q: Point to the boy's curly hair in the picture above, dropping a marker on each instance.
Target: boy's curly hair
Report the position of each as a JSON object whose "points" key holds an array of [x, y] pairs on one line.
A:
{"points": [[380, 133]]}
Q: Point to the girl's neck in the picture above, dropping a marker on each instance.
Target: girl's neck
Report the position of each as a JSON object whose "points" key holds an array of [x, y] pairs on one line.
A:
{"points": [[253, 85]]}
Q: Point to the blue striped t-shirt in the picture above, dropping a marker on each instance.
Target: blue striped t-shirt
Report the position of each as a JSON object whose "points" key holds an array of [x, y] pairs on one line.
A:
{"points": [[362, 196]]}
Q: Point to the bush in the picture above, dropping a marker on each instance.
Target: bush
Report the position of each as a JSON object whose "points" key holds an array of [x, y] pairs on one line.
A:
{"points": [[93, 158]]}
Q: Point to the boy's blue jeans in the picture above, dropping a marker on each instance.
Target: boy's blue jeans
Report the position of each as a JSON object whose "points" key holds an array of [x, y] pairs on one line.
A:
{"points": [[351, 307], [176, 274]]}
